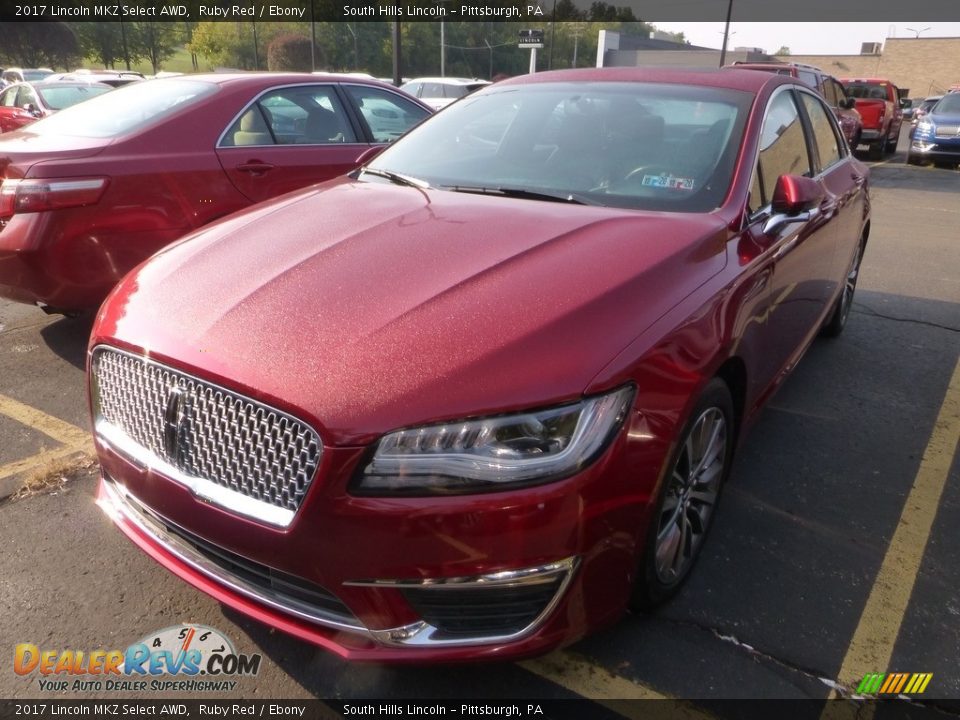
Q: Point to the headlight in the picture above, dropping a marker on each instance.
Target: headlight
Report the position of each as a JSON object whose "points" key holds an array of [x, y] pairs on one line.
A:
{"points": [[924, 126], [497, 453]]}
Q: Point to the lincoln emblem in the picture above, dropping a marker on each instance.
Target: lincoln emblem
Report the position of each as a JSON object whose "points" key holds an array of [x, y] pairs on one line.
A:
{"points": [[173, 418]]}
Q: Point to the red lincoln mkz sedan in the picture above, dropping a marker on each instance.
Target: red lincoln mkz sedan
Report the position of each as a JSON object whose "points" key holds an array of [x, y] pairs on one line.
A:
{"points": [[480, 397], [92, 191]]}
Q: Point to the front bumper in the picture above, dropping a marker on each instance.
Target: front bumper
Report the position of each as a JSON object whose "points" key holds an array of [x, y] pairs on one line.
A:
{"points": [[934, 148], [497, 576]]}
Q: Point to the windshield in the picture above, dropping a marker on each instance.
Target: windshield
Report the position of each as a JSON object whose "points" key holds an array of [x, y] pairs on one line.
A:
{"points": [[870, 91], [629, 145], [949, 104], [60, 97], [34, 75], [125, 109]]}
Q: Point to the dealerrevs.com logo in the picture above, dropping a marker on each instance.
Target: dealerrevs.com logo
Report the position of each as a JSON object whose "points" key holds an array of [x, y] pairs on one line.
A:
{"points": [[184, 658]]}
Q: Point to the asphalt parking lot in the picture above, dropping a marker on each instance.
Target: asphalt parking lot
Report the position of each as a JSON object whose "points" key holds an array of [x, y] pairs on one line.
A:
{"points": [[835, 553]]}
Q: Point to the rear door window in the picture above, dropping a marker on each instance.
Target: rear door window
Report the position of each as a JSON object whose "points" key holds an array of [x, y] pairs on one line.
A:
{"points": [[387, 114], [297, 115]]}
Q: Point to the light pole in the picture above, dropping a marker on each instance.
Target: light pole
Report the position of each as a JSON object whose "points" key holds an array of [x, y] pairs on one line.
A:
{"points": [[726, 33], [914, 30]]}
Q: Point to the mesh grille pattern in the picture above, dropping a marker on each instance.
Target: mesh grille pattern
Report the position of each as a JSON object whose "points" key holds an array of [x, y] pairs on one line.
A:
{"points": [[221, 437]]}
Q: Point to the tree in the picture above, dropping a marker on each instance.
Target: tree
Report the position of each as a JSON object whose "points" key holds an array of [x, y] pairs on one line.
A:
{"points": [[784, 50], [101, 41], [289, 52], [155, 41], [567, 11], [38, 44], [231, 44]]}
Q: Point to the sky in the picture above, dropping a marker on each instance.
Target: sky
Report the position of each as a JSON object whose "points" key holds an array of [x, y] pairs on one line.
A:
{"points": [[821, 38]]}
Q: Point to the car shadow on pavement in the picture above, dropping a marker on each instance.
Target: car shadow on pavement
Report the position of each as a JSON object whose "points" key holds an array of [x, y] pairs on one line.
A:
{"points": [[67, 338]]}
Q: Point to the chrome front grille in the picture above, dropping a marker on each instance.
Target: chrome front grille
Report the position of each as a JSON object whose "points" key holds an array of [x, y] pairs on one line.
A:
{"points": [[948, 131], [227, 448]]}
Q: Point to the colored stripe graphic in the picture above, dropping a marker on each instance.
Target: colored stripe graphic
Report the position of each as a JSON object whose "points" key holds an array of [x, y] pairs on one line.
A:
{"points": [[870, 680], [894, 683]]}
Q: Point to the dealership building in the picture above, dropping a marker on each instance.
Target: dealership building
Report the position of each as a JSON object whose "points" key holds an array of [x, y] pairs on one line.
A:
{"points": [[921, 66]]}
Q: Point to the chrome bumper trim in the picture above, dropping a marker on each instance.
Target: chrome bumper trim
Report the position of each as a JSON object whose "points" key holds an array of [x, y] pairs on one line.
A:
{"points": [[422, 634], [119, 504]]}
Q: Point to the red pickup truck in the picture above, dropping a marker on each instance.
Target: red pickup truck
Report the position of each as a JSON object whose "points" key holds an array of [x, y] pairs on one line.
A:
{"points": [[881, 110]]}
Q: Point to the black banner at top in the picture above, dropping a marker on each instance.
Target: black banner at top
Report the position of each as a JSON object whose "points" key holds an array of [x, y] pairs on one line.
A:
{"points": [[469, 10]]}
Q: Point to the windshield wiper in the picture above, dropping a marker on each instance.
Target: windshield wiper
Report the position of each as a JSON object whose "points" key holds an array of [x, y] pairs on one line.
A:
{"points": [[564, 197], [397, 178]]}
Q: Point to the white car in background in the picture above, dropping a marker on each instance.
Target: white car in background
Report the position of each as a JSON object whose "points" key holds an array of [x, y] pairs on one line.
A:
{"points": [[438, 92]]}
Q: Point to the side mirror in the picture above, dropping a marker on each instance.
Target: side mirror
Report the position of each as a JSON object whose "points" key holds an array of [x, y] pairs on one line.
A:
{"points": [[905, 104], [32, 109], [796, 199], [848, 103]]}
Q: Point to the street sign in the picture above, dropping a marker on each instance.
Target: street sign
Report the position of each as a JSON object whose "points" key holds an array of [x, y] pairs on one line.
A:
{"points": [[531, 39]]}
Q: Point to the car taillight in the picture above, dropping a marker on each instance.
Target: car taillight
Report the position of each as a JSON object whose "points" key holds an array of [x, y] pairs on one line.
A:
{"points": [[23, 196]]}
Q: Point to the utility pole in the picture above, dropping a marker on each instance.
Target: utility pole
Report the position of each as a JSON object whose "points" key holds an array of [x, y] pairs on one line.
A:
{"points": [[397, 69], [726, 34], [313, 40]]}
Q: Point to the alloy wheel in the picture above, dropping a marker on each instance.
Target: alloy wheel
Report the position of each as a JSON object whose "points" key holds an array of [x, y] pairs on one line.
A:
{"points": [[694, 486]]}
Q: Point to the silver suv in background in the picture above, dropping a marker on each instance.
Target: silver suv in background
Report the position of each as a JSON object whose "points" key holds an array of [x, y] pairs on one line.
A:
{"points": [[438, 92]]}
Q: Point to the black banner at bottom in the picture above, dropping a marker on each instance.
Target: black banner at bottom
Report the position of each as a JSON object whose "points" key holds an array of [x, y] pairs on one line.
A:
{"points": [[553, 709]]}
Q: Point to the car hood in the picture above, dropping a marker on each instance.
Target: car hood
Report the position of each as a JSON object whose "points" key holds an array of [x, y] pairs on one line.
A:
{"points": [[943, 118], [366, 307]]}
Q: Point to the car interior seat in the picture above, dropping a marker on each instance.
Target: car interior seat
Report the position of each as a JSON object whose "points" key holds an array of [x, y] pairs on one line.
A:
{"points": [[254, 128], [322, 126]]}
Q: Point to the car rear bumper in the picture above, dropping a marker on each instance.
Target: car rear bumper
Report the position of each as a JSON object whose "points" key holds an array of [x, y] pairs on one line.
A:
{"points": [[43, 262]]}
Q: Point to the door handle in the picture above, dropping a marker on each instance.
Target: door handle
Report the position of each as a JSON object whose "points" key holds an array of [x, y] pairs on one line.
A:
{"points": [[255, 167]]}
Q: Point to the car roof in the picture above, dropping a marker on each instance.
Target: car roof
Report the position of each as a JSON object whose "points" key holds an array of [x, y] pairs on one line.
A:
{"points": [[269, 78], [47, 85], [729, 78], [451, 80]]}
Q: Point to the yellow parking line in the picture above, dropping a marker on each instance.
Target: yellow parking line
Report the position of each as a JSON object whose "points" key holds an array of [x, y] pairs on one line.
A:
{"points": [[19, 466], [873, 641], [579, 675], [61, 431]]}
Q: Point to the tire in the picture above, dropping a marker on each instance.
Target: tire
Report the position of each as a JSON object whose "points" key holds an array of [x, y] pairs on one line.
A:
{"points": [[877, 148], [841, 310], [890, 144], [913, 159], [687, 499]]}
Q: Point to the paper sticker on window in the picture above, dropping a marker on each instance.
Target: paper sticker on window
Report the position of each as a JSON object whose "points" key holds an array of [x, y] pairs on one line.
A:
{"points": [[668, 181]]}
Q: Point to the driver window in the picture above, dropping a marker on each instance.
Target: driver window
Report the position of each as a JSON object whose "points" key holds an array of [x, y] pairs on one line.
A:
{"points": [[26, 97], [783, 147]]}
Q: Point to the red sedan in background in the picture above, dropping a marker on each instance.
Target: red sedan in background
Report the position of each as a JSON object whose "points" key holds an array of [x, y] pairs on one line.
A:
{"points": [[95, 189], [25, 103], [480, 396]]}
